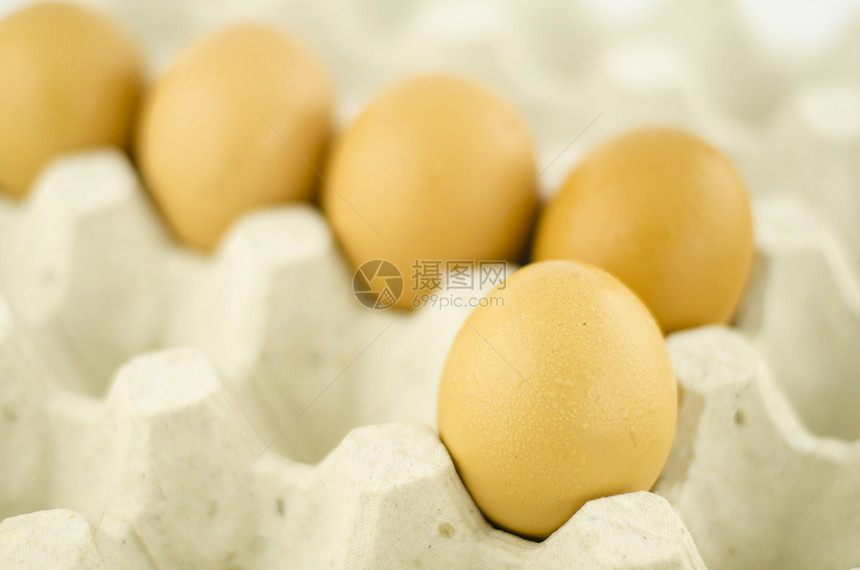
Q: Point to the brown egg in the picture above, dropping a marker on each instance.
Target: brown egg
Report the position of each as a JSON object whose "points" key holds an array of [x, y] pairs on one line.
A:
{"points": [[70, 79], [664, 212], [559, 393], [436, 168], [240, 122]]}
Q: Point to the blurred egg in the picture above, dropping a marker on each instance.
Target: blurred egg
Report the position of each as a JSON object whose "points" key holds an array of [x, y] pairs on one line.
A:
{"points": [[437, 168], [559, 392], [667, 214], [238, 123], [70, 79]]}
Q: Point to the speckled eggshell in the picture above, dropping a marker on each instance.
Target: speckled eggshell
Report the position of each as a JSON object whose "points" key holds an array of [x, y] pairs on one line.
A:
{"points": [[69, 79], [239, 122], [667, 214], [560, 392], [436, 168]]}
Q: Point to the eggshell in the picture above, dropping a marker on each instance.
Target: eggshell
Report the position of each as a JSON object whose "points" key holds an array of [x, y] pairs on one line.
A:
{"points": [[70, 79], [667, 214], [559, 392], [436, 168], [239, 122]]}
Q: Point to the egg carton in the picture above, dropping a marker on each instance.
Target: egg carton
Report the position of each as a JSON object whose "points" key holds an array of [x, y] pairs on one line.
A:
{"points": [[181, 465]]}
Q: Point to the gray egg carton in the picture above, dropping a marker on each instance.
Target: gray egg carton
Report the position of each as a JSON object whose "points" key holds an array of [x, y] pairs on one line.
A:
{"points": [[237, 371]]}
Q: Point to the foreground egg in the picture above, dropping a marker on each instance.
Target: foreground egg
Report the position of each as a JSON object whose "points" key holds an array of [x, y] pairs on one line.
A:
{"points": [[240, 122], [69, 79], [437, 168], [667, 214], [560, 392]]}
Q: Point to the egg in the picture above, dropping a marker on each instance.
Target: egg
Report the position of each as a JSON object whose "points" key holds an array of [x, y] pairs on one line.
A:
{"points": [[71, 79], [667, 214], [239, 122], [437, 168], [558, 392]]}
